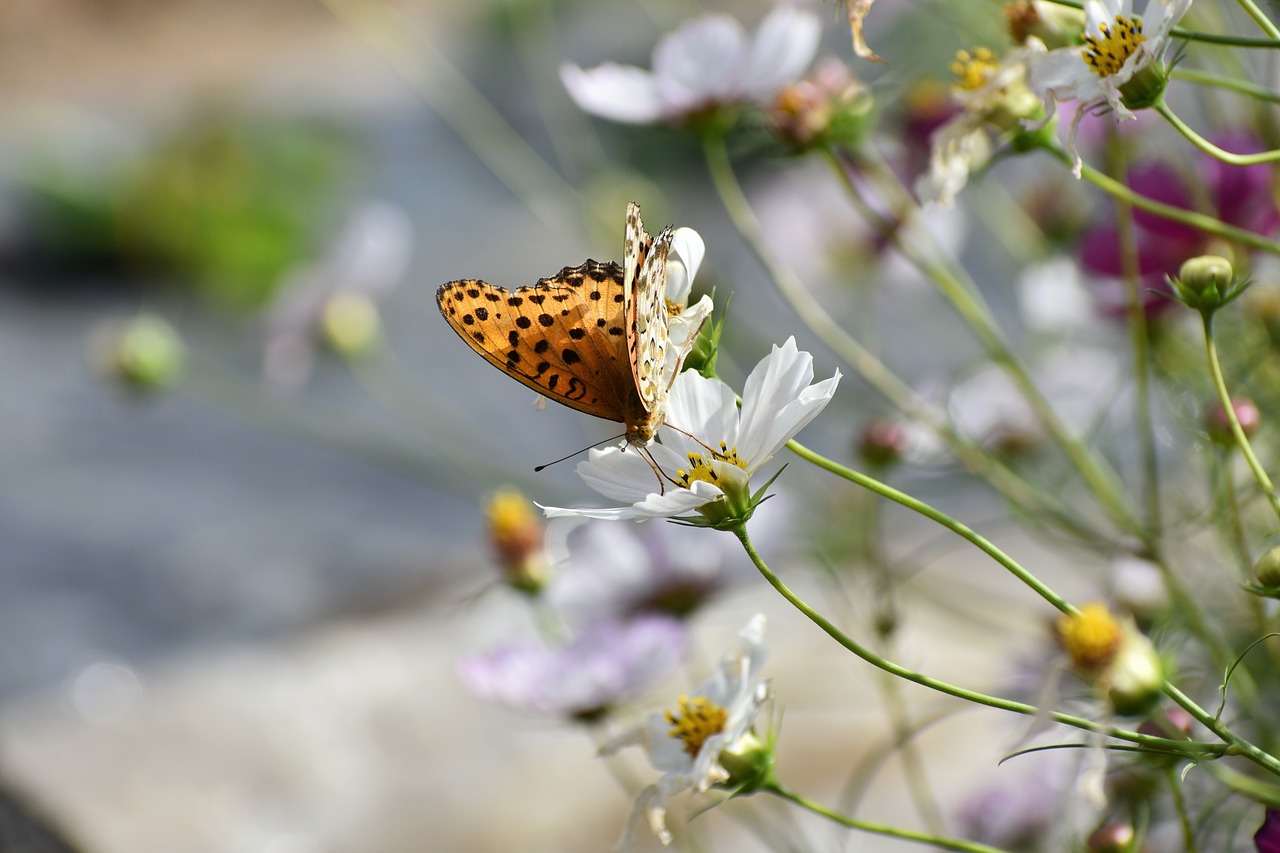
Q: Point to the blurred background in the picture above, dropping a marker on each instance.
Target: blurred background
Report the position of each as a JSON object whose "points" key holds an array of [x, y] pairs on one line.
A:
{"points": [[231, 600]]}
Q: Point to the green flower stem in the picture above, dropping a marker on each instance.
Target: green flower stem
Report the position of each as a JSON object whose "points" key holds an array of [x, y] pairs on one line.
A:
{"points": [[1195, 35], [963, 296], [1224, 397], [1260, 18], [1234, 741], [1200, 221], [1234, 84], [935, 841], [1236, 745], [1016, 490], [1208, 147], [965, 532], [1140, 340], [1180, 747]]}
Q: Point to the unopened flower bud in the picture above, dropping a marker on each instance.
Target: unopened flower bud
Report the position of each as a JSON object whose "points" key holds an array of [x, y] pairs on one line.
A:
{"points": [[516, 533], [1112, 838], [1219, 425], [1207, 283], [349, 324], [1267, 569], [145, 354], [882, 443], [1174, 722], [1134, 679]]}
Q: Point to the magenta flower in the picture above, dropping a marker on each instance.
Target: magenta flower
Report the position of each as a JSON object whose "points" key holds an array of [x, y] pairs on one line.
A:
{"points": [[1239, 196], [1267, 838]]}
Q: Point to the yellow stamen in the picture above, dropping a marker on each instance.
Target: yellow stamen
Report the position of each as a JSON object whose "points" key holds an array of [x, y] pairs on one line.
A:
{"points": [[703, 469], [694, 721], [1091, 637], [1107, 54], [973, 70]]}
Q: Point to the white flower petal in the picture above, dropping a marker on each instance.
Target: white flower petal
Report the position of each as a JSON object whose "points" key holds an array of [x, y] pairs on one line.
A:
{"points": [[774, 382], [960, 147], [621, 93], [782, 49], [687, 252], [706, 408], [699, 63]]}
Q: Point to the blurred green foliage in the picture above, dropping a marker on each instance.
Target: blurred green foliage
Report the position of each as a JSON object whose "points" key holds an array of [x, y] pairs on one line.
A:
{"points": [[225, 205]]}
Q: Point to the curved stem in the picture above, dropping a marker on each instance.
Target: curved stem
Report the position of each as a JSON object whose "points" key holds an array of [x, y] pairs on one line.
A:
{"points": [[1018, 491], [936, 841], [1243, 87], [964, 297], [1209, 148], [1224, 398], [1235, 743], [1200, 221], [1259, 17], [916, 505]]}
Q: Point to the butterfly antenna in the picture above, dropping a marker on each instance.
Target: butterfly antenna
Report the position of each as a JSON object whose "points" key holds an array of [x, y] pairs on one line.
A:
{"points": [[707, 447], [539, 468]]}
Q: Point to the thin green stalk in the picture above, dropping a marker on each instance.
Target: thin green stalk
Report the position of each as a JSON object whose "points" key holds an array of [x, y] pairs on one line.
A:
{"points": [[1180, 806], [1259, 17], [1224, 397], [1200, 221], [1236, 744], [1187, 748], [936, 841], [1218, 81], [919, 506], [1209, 148], [963, 296], [1140, 340], [978, 461]]}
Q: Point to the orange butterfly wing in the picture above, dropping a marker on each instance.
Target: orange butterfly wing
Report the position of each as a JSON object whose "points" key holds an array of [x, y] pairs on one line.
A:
{"points": [[564, 337]]}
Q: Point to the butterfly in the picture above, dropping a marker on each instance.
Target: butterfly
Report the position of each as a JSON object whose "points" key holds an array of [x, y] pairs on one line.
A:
{"points": [[599, 337]]}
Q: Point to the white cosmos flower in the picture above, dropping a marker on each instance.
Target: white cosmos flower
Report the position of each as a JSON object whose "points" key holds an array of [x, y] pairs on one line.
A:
{"points": [[686, 744], [1118, 47], [707, 62], [729, 445]]}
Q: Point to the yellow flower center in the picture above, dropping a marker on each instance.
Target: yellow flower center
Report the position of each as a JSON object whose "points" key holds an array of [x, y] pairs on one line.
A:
{"points": [[509, 514], [1091, 637], [1107, 54], [694, 721], [973, 70], [702, 469]]}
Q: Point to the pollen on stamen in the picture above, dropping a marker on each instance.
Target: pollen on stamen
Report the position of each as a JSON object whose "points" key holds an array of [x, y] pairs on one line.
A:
{"points": [[1107, 54], [974, 69], [694, 721]]}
